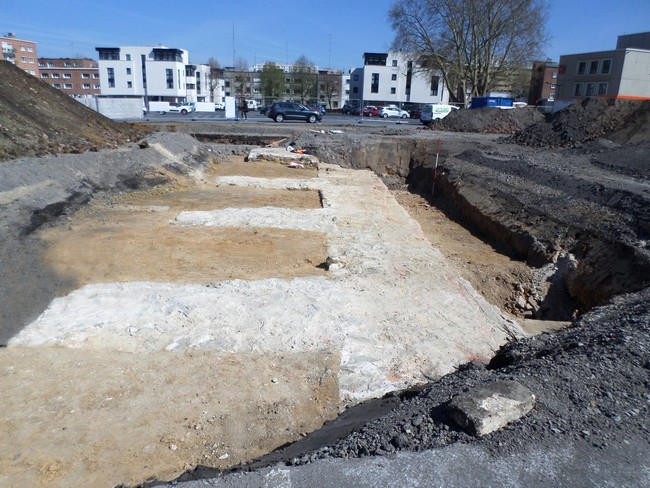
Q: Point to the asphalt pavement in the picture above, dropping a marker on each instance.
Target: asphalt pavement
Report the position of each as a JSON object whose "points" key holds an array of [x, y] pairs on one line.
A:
{"points": [[254, 116]]}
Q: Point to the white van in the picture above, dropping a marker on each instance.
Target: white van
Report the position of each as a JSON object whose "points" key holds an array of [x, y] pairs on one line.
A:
{"points": [[252, 104], [433, 111]]}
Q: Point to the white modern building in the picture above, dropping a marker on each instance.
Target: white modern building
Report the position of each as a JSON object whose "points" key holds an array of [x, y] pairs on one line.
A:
{"points": [[154, 73], [395, 78]]}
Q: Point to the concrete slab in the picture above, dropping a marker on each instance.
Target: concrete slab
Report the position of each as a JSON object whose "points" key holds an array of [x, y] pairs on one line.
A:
{"points": [[490, 407], [280, 154]]}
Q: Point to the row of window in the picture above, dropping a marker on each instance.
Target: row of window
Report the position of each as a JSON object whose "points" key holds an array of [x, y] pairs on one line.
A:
{"points": [[68, 86], [68, 75], [24, 60], [594, 67], [589, 89]]}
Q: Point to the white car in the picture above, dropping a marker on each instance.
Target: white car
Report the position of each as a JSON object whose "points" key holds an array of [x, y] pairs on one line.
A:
{"points": [[393, 111], [433, 111], [183, 108]]}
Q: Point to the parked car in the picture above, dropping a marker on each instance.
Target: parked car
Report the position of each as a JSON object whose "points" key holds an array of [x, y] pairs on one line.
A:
{"points": [[349, 109], [393, 111], [219, 106], [281, 111], [369, 111], [415, 113], [182, 108], [431, 112], [264, 109], [319, 108]]}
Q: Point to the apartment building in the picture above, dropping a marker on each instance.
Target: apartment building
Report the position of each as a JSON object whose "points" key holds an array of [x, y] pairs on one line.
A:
{"points": [[623, 72], [395, 78], [75, 77], [154, 73], [20, 52]]}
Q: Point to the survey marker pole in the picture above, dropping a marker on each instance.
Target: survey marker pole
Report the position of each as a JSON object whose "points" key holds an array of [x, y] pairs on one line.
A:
{"points": [[435, 167]]}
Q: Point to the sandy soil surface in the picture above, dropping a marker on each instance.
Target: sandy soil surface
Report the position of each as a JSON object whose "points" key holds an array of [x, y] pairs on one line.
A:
{"points": [[74, 415], [100, 417]]}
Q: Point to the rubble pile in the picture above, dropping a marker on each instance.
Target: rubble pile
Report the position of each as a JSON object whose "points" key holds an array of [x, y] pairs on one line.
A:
{"points": [[36, 119], [621, 120], [488, 120]]}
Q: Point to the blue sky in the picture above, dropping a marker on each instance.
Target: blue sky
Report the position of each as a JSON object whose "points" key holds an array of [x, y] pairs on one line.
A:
{"points": [[332, 33]]}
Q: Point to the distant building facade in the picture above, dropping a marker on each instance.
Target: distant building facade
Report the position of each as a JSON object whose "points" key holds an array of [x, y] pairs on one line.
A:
{"points": [[623, 72], [156, 73], [395, 78], [543, 81], [75, 77], [20, 52]]}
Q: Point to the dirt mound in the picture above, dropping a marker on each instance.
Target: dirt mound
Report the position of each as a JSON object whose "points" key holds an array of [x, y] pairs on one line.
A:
{"points": [[488, 120], [36, 119], [623, 121]]}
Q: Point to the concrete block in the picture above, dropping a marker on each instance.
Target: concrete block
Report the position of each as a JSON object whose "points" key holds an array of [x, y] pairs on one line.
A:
{"points": [[490, 407]]}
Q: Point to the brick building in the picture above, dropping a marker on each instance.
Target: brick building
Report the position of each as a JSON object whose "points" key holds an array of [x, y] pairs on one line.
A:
{"points": [[20, 52], [70, 75], [543, 81]]}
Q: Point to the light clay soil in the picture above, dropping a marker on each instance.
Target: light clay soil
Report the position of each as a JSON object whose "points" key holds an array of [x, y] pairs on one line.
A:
{"points": [[100, 418]]}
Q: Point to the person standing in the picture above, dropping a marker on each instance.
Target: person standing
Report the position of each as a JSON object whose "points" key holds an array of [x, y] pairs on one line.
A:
{"points": [[245, 109]]}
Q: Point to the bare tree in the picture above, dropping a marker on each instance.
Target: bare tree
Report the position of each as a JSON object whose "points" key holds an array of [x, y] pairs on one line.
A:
{"points": [[216, 73], [242, 78], [304, 79], [330, 86], [471, 42]]}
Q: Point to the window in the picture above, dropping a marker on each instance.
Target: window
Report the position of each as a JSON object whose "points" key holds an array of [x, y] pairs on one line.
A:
{"points": [[355, 77], [129, 84], [67, 75], [97, 86], [355, 89], [30, 49], [109, 55], [606, 67], [96, 75], [111, 77], [577, 89], [374, 83], [66, 64], [128, 57], [170, 78], [23, 59], [394, 63], [582, 67], [593, 67], [23, 48], [31, 60], [86, 86], [590, 89], [393, 90], [128, 71], [393, 77], [553, 86], [45, 75], [602, 88], [68, 86], [56, 75], [435, 81], [57, 85], [554, 75], [85, 76]]}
